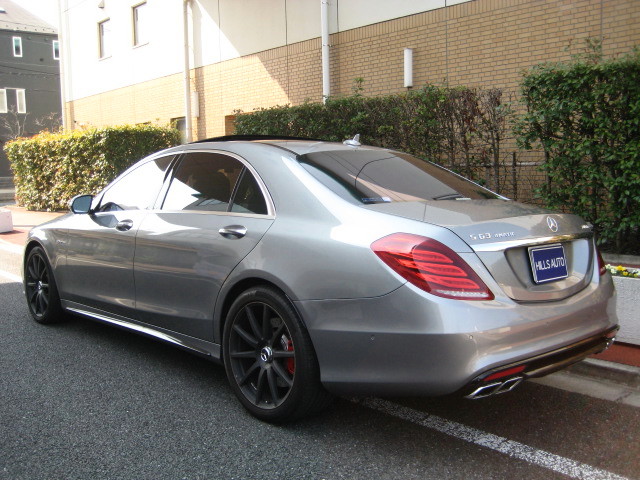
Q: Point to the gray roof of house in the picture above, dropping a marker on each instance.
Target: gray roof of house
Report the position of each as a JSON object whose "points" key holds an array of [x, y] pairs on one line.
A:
{"points": [[14, 17]]}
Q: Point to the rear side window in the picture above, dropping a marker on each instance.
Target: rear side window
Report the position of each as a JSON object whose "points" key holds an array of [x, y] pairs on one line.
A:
{"points": [[379, 176], [203, 181], [248, 197]]}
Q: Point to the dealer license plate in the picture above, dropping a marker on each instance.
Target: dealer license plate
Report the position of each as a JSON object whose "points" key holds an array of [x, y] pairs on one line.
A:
{"points": [[548, 263]]}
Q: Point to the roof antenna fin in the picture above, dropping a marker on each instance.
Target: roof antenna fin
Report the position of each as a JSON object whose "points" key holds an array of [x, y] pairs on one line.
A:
{"points": [[353, 142]]}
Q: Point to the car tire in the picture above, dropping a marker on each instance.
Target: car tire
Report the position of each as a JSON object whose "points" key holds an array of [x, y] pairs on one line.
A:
{"points": [[270, 360], [40, 288]]}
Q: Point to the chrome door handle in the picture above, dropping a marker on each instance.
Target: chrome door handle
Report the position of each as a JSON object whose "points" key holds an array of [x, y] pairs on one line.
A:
{"points": [[124, 225], [233, 231]]}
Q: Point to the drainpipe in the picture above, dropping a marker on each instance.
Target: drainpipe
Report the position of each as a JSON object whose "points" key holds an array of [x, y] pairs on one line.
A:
{"points": [[187, 79], [62, 44], [326, 68]]}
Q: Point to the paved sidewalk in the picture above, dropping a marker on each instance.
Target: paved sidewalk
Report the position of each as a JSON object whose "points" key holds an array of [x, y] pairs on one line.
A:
{"points": [[23, 221], [620, 365]]}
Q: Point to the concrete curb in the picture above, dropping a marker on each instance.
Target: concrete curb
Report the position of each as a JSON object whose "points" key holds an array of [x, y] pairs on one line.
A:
{"points": [[615, 259], [610, 372]]}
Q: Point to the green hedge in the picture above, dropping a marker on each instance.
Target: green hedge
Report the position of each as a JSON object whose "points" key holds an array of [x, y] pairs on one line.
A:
{"points": [[460, 127], [585, 114], [51, 168]]}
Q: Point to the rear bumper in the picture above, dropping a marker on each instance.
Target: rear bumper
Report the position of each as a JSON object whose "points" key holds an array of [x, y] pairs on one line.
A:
{"points": [[507, 377], [408, 343]]}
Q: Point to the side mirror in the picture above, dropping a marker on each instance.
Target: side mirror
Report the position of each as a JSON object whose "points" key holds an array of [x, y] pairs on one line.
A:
{"points": [[81, 204]]}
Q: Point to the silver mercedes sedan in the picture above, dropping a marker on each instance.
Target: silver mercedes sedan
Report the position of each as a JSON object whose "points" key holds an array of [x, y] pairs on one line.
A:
{"points": [[311, 269]]}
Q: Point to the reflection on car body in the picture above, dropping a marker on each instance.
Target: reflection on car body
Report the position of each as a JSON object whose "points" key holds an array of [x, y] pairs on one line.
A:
{"points": [[311, 269]]}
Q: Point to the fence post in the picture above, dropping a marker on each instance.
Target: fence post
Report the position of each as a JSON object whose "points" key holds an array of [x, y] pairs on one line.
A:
{"points": [[514, 176]]}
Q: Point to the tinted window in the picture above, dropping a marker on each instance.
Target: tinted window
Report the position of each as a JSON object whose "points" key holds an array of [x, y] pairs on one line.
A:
{"points": [[248, 197], [377, 176], [138, 189], [203, 181]]}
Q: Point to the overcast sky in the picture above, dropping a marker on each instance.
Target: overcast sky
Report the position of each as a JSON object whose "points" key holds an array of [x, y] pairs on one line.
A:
{"points": [[47, 10]]}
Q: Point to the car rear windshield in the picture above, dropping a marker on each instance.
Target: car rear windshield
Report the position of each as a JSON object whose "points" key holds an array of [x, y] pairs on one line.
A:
{"points": [[379, 176]]}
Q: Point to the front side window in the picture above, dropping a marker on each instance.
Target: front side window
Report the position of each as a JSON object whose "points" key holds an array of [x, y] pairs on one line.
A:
{"points": [[17, 46], [104, 38], [3, 100], [56, 50], [203, 181], [139, 13], [138, 189], [21, 100]]}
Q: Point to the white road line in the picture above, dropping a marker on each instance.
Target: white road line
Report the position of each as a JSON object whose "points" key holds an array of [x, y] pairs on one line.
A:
{"points": [[11, 248], [15, 249], [514, 449], [10, 276]]}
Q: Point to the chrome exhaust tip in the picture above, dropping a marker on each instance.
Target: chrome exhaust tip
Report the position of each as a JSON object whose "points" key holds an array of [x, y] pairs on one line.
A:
{"points": [[510, 384], [495, 388]]}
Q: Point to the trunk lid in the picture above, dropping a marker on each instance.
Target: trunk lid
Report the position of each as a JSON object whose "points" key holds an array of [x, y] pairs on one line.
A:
{"points": [[523, 247]]}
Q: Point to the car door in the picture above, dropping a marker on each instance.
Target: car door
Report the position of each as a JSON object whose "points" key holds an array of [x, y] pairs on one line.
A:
{"points": [[215, 212], [100, 245]]}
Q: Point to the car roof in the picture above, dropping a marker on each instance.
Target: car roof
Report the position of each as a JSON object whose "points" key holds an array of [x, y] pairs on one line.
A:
{"points": [[296, 145]]}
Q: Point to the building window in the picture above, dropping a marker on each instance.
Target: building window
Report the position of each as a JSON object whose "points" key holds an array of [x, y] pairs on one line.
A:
{"points": [[3, 100], [180, 124], [21, 100], [56, 50], [17, 46], [104, 37], [139, 17]]}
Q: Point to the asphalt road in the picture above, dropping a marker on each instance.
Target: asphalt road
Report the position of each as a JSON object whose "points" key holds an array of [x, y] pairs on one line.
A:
{"points": [[82, 400]]}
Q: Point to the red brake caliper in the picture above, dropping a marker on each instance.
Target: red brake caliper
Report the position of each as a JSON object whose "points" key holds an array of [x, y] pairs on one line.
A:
{"points": [[287, 345]]}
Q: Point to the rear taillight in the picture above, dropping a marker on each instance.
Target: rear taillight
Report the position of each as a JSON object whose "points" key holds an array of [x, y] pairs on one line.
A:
{"points": [[602, 267], [431, 266]]}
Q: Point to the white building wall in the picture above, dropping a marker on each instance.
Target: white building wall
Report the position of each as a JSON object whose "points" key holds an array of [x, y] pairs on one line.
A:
{"points": [[87, 74], [219, 30], [358, 13]]}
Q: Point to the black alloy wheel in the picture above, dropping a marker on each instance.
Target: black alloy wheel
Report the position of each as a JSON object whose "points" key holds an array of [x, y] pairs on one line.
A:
{"points": [[40, 288], [262, 355], [269, 358]]}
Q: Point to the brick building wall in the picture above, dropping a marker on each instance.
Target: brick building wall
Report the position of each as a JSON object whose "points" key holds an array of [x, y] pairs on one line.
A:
{"points": [[480, 43]]}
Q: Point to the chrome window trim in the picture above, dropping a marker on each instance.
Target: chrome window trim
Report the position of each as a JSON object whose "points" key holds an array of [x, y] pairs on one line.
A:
{"points": [[159, 211]]}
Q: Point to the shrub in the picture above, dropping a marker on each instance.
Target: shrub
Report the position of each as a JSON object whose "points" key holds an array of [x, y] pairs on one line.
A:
{"points": [[51, 168], [459, 127], [585, 114]]}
